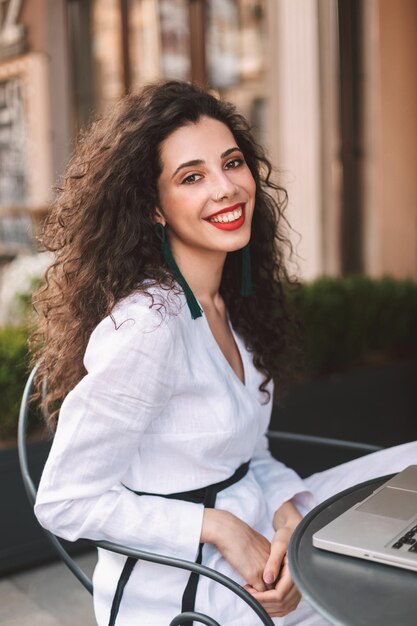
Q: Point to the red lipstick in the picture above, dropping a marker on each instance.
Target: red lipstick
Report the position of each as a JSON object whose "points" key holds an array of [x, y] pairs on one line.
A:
{"points": [[229, 225], [226, 210]]}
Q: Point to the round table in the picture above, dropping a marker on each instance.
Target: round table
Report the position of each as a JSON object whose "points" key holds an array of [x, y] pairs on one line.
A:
{"points": [[349, 591]]}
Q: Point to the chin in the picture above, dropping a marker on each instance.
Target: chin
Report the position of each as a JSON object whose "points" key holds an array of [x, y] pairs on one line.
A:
{"points": [[238, 245]]}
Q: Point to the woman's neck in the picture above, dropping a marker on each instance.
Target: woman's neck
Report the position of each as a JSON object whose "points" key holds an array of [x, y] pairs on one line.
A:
{"points": [[202, 269]]}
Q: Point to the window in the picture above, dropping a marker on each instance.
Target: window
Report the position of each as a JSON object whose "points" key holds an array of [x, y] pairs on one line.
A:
{"points": [[95, 36], [118, 45]]}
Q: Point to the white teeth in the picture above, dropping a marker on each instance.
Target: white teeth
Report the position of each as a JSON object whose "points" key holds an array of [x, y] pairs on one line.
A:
{"points": [[227, 217]]}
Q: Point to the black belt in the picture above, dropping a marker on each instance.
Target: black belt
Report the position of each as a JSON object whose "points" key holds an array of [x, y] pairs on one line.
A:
{"points": [[206, 496]]}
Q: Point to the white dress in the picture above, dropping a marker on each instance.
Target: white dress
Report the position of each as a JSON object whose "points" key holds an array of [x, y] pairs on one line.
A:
{"points": [[161, 410]]}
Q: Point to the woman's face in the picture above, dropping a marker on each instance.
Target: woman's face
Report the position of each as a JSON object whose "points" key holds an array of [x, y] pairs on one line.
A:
{"points": [[206, 190]]}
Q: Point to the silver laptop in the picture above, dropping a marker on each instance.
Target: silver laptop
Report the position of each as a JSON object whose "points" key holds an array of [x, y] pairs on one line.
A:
{"points": [[382, 528]]}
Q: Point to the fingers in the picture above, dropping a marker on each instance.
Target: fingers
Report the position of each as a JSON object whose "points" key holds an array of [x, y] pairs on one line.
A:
{"points": [[274, 604], [247, 551], [285, 582], [278, 550], [281, 600], [274, 597], [258, 585]]}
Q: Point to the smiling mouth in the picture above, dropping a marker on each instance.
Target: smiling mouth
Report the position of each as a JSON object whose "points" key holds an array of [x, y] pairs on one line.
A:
{"points": [[229, 220], [230, 216]]}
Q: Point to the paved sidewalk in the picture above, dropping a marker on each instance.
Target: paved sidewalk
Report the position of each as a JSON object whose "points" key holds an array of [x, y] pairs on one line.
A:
{"points": [[47, 596]]}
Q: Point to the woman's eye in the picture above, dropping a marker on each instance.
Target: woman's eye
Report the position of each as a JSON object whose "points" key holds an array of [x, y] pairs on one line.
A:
{"points": [[194, 178], [189, 180], [234, 163]]}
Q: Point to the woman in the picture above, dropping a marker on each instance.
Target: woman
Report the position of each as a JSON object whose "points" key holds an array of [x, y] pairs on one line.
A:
{"points": [[164, 320]]}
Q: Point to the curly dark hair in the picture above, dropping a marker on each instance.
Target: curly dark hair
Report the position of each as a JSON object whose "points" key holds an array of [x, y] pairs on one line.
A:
{"points": [[101, 230]]}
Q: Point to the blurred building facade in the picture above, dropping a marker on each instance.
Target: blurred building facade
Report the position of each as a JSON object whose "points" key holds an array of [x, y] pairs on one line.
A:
{"points": [[330, 87]]}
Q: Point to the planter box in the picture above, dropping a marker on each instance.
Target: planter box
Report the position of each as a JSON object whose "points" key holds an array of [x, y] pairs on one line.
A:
{"points": [[376, 405], [23, 543], [308, 457]]}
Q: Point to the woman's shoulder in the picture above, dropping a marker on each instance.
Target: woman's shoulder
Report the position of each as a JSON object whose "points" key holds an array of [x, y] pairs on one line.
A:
{"points": [[151, 304], [144, 318]]}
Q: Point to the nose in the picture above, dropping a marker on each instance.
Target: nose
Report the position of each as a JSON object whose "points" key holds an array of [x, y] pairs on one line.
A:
{"points": [[223, 187]]}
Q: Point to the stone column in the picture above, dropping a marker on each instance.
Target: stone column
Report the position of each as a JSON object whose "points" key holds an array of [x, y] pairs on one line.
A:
{"points": [[391, 207], [294, 122]]}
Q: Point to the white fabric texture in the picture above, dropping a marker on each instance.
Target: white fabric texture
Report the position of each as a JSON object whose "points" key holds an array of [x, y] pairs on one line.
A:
{"points": [[161, 410]]}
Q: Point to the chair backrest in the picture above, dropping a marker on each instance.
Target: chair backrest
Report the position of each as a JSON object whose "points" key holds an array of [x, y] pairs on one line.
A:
{"points": [[30, 486], [124, 550]]}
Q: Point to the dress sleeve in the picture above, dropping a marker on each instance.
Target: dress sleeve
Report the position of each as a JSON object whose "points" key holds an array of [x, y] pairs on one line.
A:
{"points": [[130, 379], [279, 483]]}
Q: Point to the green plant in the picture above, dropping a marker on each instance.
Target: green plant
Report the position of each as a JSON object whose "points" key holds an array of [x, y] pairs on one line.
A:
{"points": [[13, 370], [355, 320], [13, 374]]}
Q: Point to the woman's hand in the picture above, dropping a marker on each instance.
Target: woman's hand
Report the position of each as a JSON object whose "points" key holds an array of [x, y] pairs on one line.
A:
{"points": [[281, 600], [281, 596], [244, 548]]}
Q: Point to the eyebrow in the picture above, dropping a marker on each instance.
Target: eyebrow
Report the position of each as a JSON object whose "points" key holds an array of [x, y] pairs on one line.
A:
{"points": [[201, 161]]}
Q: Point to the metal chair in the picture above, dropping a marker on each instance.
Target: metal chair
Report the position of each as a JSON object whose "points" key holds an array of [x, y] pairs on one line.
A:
{"points": [[353, 448]]}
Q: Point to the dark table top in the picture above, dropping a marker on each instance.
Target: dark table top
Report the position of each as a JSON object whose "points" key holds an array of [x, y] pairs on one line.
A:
{"points": [[349, 591]]}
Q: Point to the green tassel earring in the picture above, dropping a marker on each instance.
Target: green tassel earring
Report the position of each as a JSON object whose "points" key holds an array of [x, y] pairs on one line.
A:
{"points": [[246, 285], [195, 308]]}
